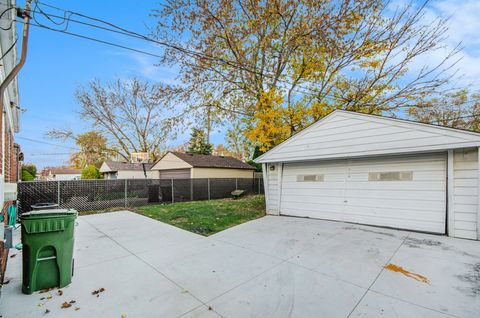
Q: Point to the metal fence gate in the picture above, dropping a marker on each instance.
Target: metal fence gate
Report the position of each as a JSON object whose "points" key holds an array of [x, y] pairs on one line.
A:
{"points": [[88, 195]]}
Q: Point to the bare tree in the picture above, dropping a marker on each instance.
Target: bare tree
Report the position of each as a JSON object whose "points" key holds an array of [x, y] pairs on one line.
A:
{"points": [[310, 56], [132, 114], [457, 109]]}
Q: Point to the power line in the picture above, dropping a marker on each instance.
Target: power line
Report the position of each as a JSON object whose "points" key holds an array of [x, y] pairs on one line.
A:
{"points": [[10, 48], [11, 22], [46, 143], [94, 39], [67, 17], [50, 154]]}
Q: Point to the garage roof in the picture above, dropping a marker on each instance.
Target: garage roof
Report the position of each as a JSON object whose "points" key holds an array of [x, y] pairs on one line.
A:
{"points": [[345, 134], [112, 166], [211, 161]]}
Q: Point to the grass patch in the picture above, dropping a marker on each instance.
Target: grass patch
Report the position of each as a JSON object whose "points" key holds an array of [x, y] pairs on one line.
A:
{"points": [[207, 217]]}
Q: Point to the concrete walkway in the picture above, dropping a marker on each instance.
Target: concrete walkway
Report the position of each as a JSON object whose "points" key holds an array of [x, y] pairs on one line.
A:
{"points": [[270, 267]]}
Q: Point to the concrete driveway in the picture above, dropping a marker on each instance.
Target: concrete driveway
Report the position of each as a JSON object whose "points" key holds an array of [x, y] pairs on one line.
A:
{"points": [[270, 267]]}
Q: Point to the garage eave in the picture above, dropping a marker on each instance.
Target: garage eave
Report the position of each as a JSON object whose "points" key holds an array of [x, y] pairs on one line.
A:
{"points": [[348, 135]]}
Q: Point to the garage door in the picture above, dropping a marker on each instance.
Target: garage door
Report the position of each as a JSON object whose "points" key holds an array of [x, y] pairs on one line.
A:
{"points": [[407, 192], [175, 174]]}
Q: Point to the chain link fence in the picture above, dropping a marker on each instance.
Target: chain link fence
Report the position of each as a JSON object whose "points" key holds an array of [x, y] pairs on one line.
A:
{"points": [[88, 195]]}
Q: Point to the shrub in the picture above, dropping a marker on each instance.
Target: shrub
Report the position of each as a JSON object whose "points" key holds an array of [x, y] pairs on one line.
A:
{"points": [[29, 171], [27, 176], [90, 172]]}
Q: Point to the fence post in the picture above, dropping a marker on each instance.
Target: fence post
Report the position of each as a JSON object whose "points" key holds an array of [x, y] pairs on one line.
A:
{"points": [[173, 193], [259, 185], [58, 193], [126, 193], [236, 183], [191, 189], [208, 187]]}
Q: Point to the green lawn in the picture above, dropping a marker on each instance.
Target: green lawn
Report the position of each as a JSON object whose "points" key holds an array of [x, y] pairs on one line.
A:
{"points": [[207, 217]]}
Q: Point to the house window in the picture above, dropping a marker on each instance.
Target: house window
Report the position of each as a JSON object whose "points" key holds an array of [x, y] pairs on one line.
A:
{"points": [[391, 176], [310, 178]]}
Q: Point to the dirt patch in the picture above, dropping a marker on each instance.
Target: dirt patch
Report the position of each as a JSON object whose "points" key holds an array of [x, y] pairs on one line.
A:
{"points": [[368, 231], [401, 270], [179, 219], [472, 277], [417, 243]]}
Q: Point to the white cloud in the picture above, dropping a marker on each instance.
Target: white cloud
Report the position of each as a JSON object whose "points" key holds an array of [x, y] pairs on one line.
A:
{"points": [[463, 26]]}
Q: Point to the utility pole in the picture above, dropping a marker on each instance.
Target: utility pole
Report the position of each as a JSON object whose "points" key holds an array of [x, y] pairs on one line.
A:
{"points": [[208, 124]]}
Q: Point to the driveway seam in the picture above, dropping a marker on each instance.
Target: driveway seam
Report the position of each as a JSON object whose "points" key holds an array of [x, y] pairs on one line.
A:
{"points": [[248, 280], [414, 304], [182, 287], [378, 275], [283, 261], [149, 265]]}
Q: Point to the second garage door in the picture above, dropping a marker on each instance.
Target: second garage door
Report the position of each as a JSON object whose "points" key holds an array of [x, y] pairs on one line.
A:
{"points": [[407, 192], [175, 174]]}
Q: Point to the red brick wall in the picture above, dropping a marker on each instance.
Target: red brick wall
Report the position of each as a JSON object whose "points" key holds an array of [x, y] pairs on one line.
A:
{"points": [[11, 155]]}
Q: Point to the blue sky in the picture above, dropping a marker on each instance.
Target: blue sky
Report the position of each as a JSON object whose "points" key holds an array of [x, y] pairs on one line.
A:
{"points": [[58, 63]]}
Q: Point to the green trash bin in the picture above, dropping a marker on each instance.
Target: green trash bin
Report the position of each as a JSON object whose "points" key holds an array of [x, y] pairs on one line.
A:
{"points": [[48, 239]]}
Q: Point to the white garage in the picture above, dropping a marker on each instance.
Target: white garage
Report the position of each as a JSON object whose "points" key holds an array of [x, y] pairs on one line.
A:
{"points": [[368, 169]]}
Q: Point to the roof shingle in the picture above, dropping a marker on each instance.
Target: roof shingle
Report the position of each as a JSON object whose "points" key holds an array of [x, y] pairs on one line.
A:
{"points": [[210, 161], [123, 166]]}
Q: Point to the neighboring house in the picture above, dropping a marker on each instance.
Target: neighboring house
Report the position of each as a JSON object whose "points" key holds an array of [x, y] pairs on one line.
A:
{"points": [[127, 170], [61, 174], [380, 171], [178, 165]]}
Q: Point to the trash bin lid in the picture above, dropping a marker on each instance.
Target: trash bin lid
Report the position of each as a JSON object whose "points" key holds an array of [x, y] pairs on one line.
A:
{"points": [[52, 212], [44, 205]]}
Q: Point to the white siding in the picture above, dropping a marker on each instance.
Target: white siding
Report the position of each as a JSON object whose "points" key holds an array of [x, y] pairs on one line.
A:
{"points": [[346, 194], [273, 189], [221, 173], [63, 177], [170, 161], [137, 174], [348, 135], [465, 165]]}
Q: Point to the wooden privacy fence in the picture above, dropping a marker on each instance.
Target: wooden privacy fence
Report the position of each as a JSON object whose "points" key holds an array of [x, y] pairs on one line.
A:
{"points": [[87, 195]]}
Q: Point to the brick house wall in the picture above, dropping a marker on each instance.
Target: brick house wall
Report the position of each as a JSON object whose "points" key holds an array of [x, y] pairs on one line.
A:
{"points": [[11, 174], [11, 165]]}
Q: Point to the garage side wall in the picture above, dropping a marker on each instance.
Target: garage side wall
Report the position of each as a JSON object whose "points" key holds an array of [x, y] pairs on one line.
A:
{"points": [[221, 173], [273, 189], [465, 199]]}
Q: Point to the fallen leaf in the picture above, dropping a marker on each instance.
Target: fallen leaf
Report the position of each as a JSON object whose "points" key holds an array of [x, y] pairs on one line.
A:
{"points": [[45, 290], [210, 308], [98, 291], [124, 316], [42, 298], [13, 255], [73, 301], [77, 308], [47, 311], [60, 292], [66, 305], [49, 297]]}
